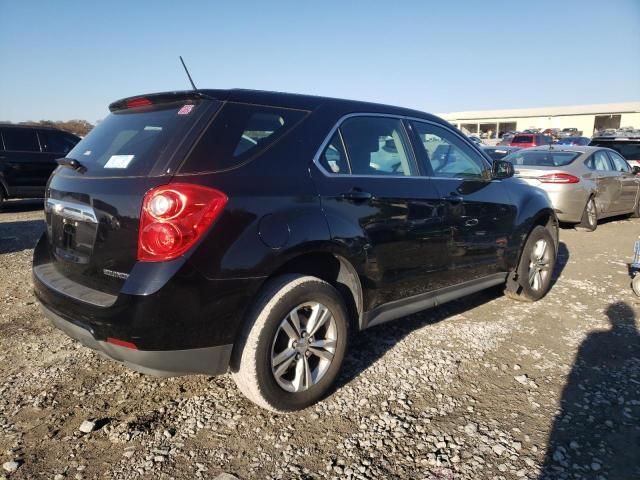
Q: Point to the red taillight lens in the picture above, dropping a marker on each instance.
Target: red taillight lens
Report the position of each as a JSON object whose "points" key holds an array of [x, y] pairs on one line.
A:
{"points": [[138, 102], [174, 217], [559, 178]]}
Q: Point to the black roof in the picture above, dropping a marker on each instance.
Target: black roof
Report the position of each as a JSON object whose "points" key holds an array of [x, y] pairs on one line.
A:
{"points": [[287, 100], [39, 127]]}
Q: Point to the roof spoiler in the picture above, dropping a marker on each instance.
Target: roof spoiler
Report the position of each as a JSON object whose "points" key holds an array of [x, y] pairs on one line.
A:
{"points": [[157, 98]]}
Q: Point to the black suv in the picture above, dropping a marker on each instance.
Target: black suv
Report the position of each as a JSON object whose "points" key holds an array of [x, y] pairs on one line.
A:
{"points": [[196, 232], [28, 156]]}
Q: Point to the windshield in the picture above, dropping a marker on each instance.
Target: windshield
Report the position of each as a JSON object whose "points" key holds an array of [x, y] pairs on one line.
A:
{"points": [[542, 158], [131, 142], [628, 149]]}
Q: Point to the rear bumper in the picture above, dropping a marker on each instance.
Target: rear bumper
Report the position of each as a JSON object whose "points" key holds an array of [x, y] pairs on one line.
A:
{"points": [[162, 363]]}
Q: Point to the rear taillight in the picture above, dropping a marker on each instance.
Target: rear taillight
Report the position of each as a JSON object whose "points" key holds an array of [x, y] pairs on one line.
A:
{"points": [[174, 217], [559, 178], [138, 102]]}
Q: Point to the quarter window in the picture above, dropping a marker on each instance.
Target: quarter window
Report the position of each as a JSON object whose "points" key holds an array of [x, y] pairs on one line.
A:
{"points": [[334, 159], [22, 140], [445, 154], [239, 133], [375, 146]]}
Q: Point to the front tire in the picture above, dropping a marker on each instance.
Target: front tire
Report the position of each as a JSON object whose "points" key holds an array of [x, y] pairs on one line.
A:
{"points": [[535, 269], [292, 347], [589, 220]]}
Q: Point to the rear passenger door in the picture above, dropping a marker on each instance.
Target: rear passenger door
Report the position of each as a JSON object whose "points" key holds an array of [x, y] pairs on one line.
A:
{"points": [[22, 162], [388, 218], [607, 185], [628, 183], [479, 213]]}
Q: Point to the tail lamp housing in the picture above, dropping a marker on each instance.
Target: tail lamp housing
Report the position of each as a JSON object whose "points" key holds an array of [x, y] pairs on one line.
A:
{"points": [[174, 217], [559, 178]]}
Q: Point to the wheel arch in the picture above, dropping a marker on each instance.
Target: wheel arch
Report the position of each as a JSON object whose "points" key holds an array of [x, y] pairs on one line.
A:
{"points": [[544, 217], [334, 269]]}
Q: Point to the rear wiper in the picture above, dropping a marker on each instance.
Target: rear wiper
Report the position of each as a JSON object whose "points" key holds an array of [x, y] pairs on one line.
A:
{"points": [[71, 163]]}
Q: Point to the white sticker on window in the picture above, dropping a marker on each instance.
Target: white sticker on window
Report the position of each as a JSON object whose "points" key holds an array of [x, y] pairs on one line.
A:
{"points": [[87, 152], [153, 129], [119, 161]]}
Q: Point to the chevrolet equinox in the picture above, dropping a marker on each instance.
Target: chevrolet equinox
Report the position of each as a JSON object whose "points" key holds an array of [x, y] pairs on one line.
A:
{"points": [[212, 230]]}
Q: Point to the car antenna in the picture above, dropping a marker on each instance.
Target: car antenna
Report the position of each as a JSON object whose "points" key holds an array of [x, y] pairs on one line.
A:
{"points": [[188, 74]]}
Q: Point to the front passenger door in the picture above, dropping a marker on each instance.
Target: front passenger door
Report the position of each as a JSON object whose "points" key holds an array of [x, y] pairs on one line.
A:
{"points": [[479, 213], [628, 183]]}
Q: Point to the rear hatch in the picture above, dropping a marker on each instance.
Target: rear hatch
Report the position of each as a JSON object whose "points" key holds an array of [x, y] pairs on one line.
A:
{"points": [[93, 204], [523, 141]]}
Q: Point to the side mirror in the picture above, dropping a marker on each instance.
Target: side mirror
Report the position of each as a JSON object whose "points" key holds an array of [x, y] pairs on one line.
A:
{"points": [[635, 170], [502, 169]]}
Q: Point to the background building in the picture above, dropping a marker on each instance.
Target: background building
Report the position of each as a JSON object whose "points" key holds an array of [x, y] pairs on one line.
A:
{"points": [[586, 118]]}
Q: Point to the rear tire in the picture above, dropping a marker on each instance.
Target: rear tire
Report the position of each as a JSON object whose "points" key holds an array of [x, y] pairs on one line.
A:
{"points": [[3, 197], [635, 285], [589, 220], [535, 269], [293, 344]]}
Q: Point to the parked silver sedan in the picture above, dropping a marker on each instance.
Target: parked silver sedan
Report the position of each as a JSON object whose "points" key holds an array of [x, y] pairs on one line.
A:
{"points": [[585, 184]]}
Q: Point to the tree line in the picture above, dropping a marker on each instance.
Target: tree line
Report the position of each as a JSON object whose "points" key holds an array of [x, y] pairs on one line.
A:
{"points": [[77, 127]]}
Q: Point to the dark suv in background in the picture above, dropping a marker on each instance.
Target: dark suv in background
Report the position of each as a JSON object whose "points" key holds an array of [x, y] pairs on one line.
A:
{"points": [[627, 145], [193, 232], [28, 156]]}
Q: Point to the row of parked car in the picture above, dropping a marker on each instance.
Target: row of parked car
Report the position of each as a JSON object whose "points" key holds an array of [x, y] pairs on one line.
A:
{"points": [[586, 181], [251, 231]]}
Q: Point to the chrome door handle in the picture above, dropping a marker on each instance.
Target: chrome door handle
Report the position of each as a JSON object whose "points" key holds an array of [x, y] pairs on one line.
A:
{"points": [[357, 195]]}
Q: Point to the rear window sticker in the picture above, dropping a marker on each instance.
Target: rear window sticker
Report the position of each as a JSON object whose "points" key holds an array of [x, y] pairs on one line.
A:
{"points": [[185, 109], [119, 161]]}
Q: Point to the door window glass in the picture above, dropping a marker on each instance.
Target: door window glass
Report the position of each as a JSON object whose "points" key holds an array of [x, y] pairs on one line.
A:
{"points": [[334, 159], [599, 162], [375, 146], [619, 163], [445, 154], [22, 140]]}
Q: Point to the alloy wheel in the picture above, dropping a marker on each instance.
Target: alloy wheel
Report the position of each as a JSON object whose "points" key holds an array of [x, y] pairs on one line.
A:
{"points": [[539, 264], [303, 347]]}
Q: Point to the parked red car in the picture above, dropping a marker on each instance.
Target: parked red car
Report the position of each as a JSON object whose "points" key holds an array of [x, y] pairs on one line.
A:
{"points": [[526, 140]]}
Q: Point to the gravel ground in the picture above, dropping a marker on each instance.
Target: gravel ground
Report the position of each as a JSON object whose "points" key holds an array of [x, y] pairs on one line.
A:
{"points": [[479, 388]]}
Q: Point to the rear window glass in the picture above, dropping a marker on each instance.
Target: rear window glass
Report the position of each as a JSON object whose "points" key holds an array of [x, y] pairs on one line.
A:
{"points": [[131, 142], [628, 149], [542, 158], [237, 134], [21, 140], [522, 139]]}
